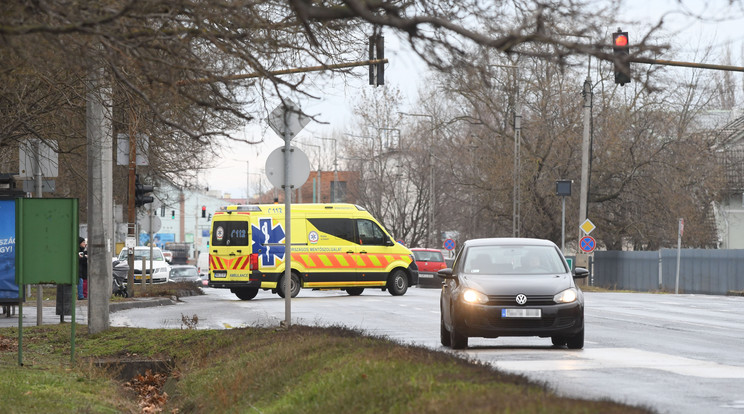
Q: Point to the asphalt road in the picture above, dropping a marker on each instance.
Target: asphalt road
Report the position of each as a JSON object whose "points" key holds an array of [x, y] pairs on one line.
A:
{"points": [[673, 353]]}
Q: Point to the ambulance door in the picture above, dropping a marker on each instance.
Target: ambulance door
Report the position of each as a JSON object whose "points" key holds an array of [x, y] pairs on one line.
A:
{"points": [[331, 258], [374, 243], [229, 250]]}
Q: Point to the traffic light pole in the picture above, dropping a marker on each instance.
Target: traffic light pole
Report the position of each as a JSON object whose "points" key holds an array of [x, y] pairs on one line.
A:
{"points": [[685, 64], [131, 217]]}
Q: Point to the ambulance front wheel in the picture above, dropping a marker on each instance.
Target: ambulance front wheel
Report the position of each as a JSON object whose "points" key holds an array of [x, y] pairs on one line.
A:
{"points": [[294, 285], [397, 283]]}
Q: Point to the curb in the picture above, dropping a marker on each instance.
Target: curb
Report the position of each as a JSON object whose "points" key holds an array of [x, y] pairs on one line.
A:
{"points": [[140, 303]]}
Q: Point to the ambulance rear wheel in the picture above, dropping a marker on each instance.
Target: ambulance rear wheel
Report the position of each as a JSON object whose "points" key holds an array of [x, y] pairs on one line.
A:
{"points": [[354, 291], [245, 293], [294, 285], [397, 283]]}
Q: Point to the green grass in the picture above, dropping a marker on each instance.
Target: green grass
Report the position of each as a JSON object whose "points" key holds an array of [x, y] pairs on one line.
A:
{"points": [[303, 369]]}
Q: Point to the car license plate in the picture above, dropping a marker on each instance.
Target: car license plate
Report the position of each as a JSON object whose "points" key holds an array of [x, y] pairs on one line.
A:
{"points": [[220, 273], [426, 275], [521, 313]]}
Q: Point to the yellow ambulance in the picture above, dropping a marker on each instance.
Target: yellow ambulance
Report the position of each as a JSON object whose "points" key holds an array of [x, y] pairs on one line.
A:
{"points": [[334, 246]]}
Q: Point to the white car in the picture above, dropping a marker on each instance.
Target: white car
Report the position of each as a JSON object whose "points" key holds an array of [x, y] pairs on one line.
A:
{"points": [[162, 268]]}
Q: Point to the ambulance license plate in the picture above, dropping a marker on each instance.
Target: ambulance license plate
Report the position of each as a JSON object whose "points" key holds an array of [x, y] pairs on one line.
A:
{"points": [[426, 275], [521, 313], [220, 274]]}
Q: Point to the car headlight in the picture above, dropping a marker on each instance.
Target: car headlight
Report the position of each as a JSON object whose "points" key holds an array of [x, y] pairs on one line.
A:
{"points": [[161, 270], [473, 296], [567, 296]]}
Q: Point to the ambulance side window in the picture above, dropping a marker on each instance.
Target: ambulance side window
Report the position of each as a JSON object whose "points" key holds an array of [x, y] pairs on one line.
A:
{"points": [[370, 233], [338, 227], [230, 233]]}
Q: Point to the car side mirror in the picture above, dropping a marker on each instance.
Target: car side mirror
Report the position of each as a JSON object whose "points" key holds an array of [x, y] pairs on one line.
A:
{"points": [[446, 273], [580, 273], [389, 242]]}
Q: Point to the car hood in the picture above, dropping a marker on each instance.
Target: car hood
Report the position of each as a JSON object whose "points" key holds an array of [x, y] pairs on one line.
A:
{"points": [[548, 284]]}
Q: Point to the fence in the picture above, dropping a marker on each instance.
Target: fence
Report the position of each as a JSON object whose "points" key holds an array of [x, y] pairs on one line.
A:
{"points": [[716, 272]]}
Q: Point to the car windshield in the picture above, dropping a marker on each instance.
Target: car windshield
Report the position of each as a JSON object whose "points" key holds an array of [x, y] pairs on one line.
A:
{"points": [[140, 254], [183, 272], [513, 260], [422, 256]]}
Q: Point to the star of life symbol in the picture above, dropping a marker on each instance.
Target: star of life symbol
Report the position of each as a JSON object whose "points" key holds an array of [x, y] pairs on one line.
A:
{"points": [[267, 232]]}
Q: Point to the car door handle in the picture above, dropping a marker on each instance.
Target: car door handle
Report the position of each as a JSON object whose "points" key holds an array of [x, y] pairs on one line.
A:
{"points": [[349, 252], [362, 252]]}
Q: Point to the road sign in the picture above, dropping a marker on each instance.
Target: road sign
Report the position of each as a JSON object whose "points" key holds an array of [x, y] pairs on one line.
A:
{"points": [[294, 121], [449, 244], [587, 244], [587, 226], [144, 223], [298, 173], [569, 260]]}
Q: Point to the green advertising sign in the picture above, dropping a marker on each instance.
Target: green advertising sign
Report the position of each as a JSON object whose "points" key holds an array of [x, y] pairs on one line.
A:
{"points": [[46, 241]]}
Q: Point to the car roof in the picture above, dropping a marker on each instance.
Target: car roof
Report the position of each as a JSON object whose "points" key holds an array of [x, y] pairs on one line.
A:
{"points": [[509, 241], [182, 266], [421, 249]]}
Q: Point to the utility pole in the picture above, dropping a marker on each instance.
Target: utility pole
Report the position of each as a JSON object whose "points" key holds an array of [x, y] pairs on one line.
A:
{"points": [[99, 134]]}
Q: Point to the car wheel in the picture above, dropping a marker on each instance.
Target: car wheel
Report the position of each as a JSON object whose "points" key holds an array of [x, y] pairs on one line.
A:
{"points": [[397, 283], [294, 285], [457, 339], [246, 293], [576, 341], [354, 291], [444, 334], [558, 340]]}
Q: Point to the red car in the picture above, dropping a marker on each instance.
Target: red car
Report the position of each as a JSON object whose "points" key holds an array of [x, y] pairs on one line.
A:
{"points": [[429, 261]]}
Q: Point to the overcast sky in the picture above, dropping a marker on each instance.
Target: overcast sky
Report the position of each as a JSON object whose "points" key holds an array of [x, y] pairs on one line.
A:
{"points": [[242, 165]]}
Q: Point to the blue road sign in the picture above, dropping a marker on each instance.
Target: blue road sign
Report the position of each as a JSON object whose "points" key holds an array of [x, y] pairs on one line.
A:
{"points": [[587, 244], [449, 244]]}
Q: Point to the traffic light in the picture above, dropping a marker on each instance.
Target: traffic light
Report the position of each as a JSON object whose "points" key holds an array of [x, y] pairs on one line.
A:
{"points": [[204, 211], [376, 51], [621, 50], [173, 214], [140, 193]]}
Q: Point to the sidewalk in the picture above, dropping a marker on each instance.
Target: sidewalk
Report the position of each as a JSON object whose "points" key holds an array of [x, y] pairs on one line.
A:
{"points": [[50, 317]]}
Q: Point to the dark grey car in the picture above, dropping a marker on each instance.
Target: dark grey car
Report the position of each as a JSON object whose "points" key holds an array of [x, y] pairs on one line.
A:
{"points": [[511, 287]]}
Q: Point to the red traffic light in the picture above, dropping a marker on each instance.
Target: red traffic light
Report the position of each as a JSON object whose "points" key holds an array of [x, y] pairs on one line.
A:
{"points": [[204, 211], [621, 40]]}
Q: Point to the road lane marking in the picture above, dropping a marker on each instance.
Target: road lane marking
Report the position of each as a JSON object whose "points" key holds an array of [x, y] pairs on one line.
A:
{"points": [[620, 358]]}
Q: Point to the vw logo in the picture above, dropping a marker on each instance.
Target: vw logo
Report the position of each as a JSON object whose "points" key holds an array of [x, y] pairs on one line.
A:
{"points": [[521, 299]]}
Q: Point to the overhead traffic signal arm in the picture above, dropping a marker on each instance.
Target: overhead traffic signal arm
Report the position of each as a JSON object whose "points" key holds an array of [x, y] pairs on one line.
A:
{"points": [[621, 51]]}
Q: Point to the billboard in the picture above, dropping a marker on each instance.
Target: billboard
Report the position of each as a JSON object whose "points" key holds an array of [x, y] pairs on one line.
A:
{"points": [[8, 287]]}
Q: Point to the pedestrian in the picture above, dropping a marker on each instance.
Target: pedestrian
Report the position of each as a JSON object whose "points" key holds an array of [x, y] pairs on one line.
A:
{"points": [[82, 269]]}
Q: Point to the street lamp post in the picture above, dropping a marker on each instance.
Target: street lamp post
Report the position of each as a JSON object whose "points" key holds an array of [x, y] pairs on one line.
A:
{"points": [[430, 223], [516, 205]]}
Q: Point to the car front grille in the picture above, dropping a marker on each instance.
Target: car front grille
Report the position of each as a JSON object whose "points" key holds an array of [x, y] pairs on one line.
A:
{"points": [[510, 300]]}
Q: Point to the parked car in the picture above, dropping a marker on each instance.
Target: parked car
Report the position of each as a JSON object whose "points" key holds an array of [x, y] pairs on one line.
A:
{"points": [[429, 262], [511, 287], [184, 273], [160, 266]]}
